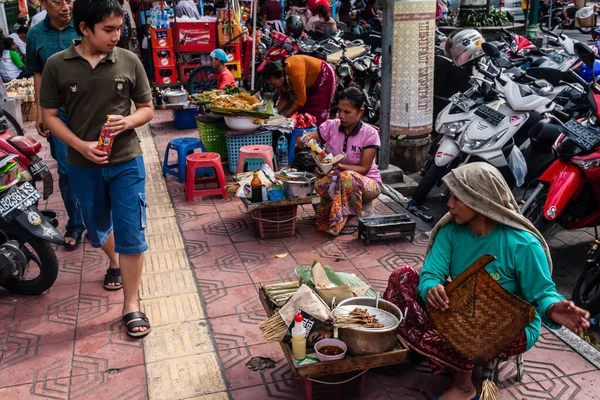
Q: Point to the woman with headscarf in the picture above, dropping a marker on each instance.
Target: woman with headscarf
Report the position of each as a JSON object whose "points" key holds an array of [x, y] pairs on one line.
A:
{"points": [[484, 218], [187, 8]]}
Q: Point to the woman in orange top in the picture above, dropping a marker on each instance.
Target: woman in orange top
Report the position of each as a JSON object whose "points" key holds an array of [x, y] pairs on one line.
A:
{"points": [[310, 80]]}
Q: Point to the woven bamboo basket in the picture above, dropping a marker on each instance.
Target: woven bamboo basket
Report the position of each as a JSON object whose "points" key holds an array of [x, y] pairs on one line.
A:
{"points": [[484, 318]]}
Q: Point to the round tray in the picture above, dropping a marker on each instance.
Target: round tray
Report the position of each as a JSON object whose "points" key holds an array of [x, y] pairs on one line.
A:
{"points": [[388, 320]]}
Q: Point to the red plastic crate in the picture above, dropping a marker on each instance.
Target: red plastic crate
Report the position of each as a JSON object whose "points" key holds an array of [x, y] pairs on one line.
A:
{"points": [[186, 70], [163, 57], [234, 52], [161, 38], [197, 36], [276, 222], [165, 75]]}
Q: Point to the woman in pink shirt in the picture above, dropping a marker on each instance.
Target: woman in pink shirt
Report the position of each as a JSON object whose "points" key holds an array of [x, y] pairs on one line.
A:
{"points": [[356, 179]]}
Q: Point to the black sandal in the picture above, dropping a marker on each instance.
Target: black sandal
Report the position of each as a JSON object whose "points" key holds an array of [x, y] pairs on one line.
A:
{"points": [[136, 319], [73, 235], [113, 276]]}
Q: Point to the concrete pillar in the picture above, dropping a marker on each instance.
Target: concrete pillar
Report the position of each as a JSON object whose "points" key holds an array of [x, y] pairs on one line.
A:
{"points": [[411, 113], [534, 5]]}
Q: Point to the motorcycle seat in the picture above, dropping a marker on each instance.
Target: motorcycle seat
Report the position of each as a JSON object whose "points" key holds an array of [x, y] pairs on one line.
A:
{"points": [[498, 44], [351, 53]]}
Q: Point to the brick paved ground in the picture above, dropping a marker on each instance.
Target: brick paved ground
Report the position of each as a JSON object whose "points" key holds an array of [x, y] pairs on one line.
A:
{"points": [[200, 292]]}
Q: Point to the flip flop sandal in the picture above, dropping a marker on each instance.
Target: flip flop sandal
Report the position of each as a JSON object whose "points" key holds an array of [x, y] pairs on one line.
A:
{"points": [[136, 319], [349, 230], [113, 276], [73, 235]]}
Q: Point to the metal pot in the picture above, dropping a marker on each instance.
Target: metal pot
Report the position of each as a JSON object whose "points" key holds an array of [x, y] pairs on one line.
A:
{"points": [[299, 189], [361, 341], [176, 96]]}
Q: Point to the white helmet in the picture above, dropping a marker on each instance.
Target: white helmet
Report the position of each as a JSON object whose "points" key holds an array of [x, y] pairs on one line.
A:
{"points": [[464, 46]]}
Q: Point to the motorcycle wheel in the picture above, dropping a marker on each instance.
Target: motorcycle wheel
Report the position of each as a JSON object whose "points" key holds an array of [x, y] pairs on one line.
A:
{"points": [[585, 31], [535, 213], [587, 290], [42, 268], [557, 29], [431, 177], [14, 125], [201, 79]]}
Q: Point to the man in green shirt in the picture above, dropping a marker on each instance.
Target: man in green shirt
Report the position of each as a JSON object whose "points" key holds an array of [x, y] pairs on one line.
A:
{"points": [[95, 82], [55, 33]]}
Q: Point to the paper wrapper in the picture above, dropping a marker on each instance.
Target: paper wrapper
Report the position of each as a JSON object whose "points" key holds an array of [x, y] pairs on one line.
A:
{"points": [[339, 293], [306, 300]]}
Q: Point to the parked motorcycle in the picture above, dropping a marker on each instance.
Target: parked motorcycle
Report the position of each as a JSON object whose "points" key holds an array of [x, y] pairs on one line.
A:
{"points": [[28, 263], [568, 193]]}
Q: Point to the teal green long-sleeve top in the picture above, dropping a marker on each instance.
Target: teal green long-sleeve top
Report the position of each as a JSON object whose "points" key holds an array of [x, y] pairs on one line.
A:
{"points": [[521, 266]]}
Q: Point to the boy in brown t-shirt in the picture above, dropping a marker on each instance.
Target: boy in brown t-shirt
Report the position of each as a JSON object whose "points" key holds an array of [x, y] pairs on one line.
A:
{"points": [[94, 79]]}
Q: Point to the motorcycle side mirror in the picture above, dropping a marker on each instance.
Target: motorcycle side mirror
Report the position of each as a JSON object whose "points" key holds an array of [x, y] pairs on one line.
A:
{"points": [[586, 54], [490, 50]]}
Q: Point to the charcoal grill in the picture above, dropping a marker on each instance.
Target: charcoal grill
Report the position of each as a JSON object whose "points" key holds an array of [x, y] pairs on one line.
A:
{"points": [[389, 226]]}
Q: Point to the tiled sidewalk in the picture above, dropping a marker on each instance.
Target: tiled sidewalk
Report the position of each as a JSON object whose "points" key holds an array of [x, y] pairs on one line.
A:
{"points": [[200, 292]]}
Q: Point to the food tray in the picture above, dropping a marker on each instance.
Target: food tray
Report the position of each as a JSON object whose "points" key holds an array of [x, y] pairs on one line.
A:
{"points": [[245, 113], [397, 225], [385, 318]]}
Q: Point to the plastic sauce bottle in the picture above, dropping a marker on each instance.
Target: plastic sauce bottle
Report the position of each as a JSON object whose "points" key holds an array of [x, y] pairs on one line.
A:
{"points": [[282, 152], [256, 186], [105, 141], [299, 338]]}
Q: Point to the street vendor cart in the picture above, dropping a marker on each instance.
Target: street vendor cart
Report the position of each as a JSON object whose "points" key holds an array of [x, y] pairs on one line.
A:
{"points": [[312, 370]]}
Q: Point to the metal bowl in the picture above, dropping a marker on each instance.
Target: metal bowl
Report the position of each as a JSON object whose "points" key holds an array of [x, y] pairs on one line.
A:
{"points": [[362, 341], [241, 124], [175, 96], [294, 189]]}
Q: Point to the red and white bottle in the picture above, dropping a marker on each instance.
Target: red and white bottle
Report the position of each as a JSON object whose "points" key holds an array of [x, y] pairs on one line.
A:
{"points": [[105, 140]]}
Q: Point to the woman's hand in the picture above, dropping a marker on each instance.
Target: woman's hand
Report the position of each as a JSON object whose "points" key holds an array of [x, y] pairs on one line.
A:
{"points": [[117, 124], [437, 297], [567, 314], [90, 151]]}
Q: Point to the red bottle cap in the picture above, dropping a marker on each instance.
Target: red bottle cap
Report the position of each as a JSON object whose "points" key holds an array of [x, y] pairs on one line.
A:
{"points": [[298, 317]]}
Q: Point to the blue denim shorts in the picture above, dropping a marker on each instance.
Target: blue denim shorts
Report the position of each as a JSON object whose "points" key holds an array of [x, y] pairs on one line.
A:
{"points": [[113, 199]]}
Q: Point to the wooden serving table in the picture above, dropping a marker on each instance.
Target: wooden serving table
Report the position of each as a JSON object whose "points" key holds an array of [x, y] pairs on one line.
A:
{"points": [[310, 371]]}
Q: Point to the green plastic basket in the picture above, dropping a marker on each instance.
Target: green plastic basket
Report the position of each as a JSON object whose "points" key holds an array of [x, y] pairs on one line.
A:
{"points": [[212, 136]]}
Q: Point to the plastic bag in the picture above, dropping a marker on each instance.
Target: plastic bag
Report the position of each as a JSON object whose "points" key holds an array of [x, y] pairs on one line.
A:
{"points": [[303, 161], [517, 165]]}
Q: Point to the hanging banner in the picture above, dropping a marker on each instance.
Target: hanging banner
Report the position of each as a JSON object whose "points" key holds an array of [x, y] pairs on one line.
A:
{"points": [[412, 67]]}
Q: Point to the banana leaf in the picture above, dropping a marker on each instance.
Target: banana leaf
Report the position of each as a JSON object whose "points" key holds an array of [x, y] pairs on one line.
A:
{"points": [[337, 278], [245, 113]]}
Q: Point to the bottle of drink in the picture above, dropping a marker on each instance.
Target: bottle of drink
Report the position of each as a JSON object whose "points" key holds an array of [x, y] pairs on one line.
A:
{"points": [[256, 185], [154, 17], [105, 140], [282, 152], [299, 338]]}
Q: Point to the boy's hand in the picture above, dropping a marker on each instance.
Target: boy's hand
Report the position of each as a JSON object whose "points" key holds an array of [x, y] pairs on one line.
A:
{"points": [[90, 151], [117, 124], [39, 125]]}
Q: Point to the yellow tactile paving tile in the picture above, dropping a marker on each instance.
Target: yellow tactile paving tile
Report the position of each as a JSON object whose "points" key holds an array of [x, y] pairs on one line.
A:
{"points": [[165, 242], [179, 340], [182, 378], [161, 226], [167, 284], [173, 309], [155, 199], [160, 211], [156, 187], [165, 261], [214, 396]]}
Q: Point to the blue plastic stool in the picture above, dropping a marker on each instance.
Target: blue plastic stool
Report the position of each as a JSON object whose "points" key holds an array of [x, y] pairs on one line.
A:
{"points": [[184, 147], [296, 133]]}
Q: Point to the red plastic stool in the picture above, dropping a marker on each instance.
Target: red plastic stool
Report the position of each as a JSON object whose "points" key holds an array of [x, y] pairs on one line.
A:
{"points": [[256, 151], [197, 161]]}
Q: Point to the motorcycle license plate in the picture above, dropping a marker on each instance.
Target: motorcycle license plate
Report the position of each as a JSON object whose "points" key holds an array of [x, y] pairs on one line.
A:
{"points": [[463, 102], [24, 196], [558, 57], [39, 168], [584, 137], [490, 115]]}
